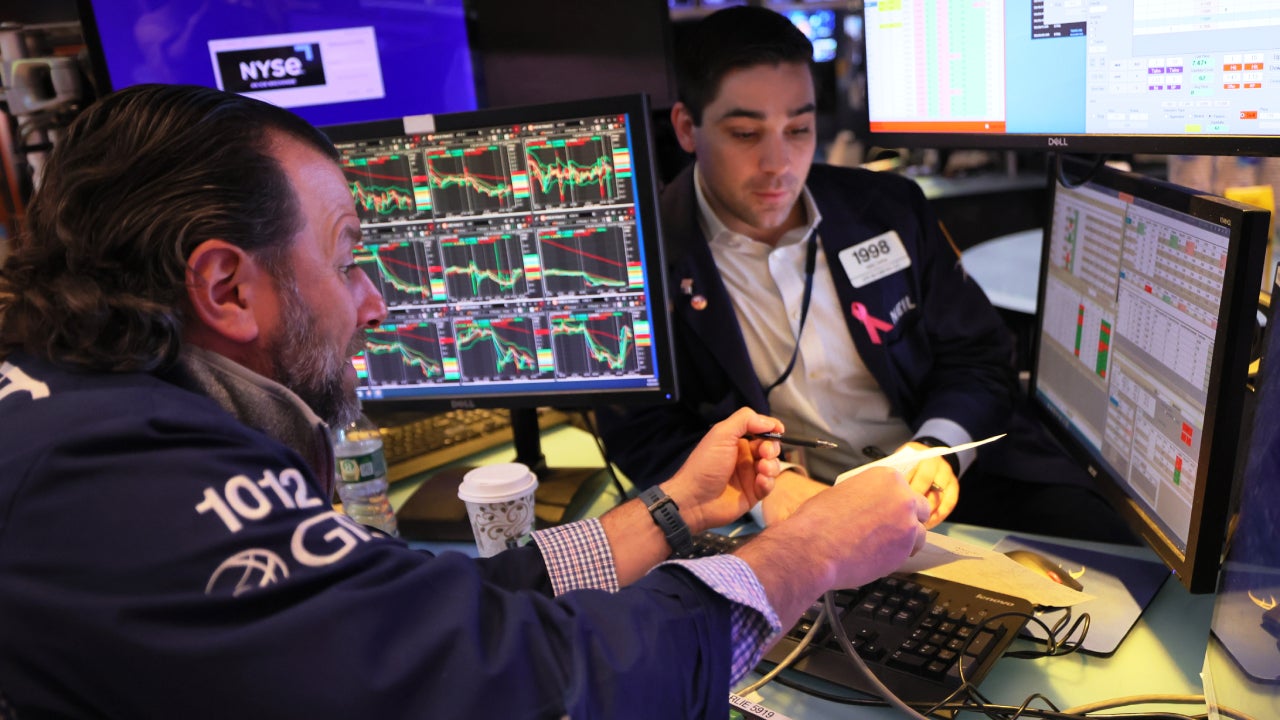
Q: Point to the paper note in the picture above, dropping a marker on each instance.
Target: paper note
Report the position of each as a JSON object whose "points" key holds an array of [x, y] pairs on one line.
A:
{"points": [[906, 458], [950, 559]]}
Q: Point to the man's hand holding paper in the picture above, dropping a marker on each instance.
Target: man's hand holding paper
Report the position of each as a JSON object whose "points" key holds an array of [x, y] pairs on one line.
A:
{"points": [[927, 472], [923, 467]]}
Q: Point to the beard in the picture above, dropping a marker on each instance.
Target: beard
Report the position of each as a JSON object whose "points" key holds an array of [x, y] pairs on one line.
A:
{"points": [[315, 372]]}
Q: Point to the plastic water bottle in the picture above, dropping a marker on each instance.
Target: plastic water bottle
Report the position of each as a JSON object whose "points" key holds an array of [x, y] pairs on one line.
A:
{"points": [[362, 475]]}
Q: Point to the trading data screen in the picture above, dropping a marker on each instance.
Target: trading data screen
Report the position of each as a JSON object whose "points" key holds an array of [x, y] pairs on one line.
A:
{"points": [[512, 257], [1131, 307], [1074, 67]]}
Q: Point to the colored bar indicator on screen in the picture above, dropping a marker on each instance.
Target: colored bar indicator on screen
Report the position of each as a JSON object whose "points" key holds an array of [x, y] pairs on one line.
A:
{"points": [[1079, 329], [422, 192], [1104, 348], [451, 372], [532, 267], [520, 185], [438, 291], [644, 336], [622, 162]]}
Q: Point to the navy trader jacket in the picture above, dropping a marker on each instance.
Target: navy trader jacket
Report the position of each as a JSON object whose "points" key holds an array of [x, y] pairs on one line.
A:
{"points": [[947, 354], [161, 559]]}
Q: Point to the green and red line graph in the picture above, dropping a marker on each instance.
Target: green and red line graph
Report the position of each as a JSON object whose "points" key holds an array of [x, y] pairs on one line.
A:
{"points": [[427, 281], [380, 186], [612, 349], [397, 345], [564, 172], [621, 279], [509, 339]]}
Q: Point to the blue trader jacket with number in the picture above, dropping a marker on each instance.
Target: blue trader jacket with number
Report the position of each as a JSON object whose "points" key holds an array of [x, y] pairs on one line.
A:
{"points": [[947, 355], [160, 559]]}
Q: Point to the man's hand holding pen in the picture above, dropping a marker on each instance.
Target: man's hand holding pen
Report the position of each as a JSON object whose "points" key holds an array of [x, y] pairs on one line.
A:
{"points": [[792, 440]]}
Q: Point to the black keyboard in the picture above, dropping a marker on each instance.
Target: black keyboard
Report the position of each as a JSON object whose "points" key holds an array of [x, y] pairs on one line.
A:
{"points": [[415, 442], [911, 630]]}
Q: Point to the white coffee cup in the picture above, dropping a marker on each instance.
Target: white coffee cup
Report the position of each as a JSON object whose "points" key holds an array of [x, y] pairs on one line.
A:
{"points": [[500, 501]]}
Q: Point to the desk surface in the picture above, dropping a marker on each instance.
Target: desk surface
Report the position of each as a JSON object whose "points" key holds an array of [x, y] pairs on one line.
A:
{"points": [[1163, 654], [937, 187], [1007, 268]]}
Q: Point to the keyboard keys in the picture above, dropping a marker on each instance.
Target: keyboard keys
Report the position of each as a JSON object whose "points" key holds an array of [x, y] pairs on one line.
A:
{"points": [[913, 632]]}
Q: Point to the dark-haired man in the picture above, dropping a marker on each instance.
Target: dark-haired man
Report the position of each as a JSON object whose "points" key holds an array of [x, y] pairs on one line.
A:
{"points": [[827, 297], [177, 323]]}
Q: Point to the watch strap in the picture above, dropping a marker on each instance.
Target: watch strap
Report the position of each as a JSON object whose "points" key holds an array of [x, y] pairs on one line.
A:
{"points": [[666, 515]]}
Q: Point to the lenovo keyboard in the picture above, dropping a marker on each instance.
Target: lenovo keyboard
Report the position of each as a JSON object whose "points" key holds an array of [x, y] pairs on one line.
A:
{"points": [[914, 632]]}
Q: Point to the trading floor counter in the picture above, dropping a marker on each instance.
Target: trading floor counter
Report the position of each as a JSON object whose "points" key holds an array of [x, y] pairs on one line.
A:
{"points": [[1162, 654]]}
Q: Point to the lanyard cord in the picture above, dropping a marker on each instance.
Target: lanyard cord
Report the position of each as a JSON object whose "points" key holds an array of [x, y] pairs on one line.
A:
{"points": [[810, 262]]}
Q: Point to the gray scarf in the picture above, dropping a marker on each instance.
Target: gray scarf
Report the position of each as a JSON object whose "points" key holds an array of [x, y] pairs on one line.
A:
{"points": [[262, 404]]}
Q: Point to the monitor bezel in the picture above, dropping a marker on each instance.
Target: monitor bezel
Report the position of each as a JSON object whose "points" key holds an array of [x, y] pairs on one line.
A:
{"points": [[1197, 567], [644, 177], [1080, 143]]}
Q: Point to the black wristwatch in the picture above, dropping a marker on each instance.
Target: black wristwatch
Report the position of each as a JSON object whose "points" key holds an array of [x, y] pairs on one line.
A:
{"points": [[666, 514], [930, 441]]}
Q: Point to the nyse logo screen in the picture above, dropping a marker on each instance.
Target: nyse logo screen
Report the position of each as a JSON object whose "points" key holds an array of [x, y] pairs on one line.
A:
{"points": [[271, 68]]}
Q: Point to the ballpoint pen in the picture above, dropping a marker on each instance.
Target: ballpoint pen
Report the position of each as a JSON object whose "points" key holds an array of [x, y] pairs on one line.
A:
{"points": [[789, 440]]}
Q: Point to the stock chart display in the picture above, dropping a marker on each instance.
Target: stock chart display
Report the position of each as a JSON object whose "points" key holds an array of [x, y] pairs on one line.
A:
{"points": [[507, 256]]}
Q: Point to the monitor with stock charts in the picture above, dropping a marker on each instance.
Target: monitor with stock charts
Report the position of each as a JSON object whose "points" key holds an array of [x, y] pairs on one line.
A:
{"points": [[1095, 76], [518, 253], [1148, 294]]}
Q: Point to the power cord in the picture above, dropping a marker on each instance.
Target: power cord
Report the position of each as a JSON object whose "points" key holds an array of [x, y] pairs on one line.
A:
{"points": [[966, 698], [796, 652], [1098, 162], [590, 424]]}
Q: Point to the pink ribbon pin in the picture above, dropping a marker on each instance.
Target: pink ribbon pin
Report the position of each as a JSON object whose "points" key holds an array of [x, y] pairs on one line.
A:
{"points": [[873, 324]]}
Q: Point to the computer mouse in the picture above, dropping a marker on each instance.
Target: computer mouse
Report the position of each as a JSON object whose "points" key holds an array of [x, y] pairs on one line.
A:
{"points": [[1045, 567]]}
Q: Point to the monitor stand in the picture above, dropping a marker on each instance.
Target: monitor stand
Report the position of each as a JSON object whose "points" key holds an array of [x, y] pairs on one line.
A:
{"points": [[1122, 588], [434, 513]]}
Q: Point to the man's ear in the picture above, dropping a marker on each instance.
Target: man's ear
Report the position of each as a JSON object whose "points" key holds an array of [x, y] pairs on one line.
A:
{"points": [[223, 284], [682, 121]]}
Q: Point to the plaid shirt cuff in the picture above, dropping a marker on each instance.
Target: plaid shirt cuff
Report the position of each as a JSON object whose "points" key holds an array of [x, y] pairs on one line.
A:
{"points": [[578, 557], [752, 621]]}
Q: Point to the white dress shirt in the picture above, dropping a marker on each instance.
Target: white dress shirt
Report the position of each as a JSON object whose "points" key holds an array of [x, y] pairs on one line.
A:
{"points": [[830, 393]]}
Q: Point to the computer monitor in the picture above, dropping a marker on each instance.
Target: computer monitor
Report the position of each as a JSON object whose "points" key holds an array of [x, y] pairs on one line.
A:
{"points": [[1147, 309], [518, 252], [330, 61], [1113, 76]]}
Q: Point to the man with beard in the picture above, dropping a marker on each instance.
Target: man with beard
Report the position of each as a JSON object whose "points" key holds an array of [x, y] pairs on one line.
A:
{"points": [[177, 323], [829, 298]]}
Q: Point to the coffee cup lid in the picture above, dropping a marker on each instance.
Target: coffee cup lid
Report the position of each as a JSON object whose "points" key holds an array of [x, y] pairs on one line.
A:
{"points": [[500, 481]]}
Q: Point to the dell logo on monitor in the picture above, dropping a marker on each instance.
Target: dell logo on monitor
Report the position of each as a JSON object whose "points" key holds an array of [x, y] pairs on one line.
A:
{"points": [[1058, 142]]}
